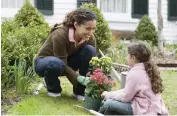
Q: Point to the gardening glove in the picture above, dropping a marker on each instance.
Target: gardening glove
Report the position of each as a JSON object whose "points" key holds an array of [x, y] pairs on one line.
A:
{"points": [[83, 80]]}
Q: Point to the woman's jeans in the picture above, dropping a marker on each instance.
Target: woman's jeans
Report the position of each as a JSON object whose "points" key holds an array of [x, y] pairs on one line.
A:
{"points": [[52, 67], [114, 107]]}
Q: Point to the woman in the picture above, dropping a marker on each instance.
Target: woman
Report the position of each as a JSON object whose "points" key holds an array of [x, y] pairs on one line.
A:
{"points": [[69, 48]]}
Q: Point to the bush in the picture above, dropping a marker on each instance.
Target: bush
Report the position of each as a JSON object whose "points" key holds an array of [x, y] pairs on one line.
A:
{"points": [[146, 30], [20, 42], [102, 32], [29, 15]]}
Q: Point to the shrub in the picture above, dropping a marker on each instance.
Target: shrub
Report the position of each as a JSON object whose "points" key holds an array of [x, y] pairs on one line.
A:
{"points": [[29, 15], [102, 32], [20, 41], [146, 30]]}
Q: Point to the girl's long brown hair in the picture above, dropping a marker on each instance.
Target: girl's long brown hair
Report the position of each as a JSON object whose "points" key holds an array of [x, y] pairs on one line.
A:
{"points": [[81, 16], [143, 55]]}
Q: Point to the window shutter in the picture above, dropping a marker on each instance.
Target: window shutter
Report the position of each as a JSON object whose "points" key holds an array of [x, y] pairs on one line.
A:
{"points": [[172, 10], [80, 2], [139, 8], [45, 6]]}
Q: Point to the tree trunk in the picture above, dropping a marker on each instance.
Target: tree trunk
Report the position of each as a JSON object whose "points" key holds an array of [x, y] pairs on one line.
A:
{"points": [[160, 25]]}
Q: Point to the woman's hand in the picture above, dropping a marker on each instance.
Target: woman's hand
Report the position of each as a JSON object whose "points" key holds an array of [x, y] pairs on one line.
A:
{"points": [[103, 94], [83, 80]]}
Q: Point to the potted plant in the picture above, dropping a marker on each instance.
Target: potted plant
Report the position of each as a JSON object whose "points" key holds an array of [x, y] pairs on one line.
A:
{"points": [[99, 80]]}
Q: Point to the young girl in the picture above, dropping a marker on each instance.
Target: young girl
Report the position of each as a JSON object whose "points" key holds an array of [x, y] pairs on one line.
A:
{"points": [[141, 94]]}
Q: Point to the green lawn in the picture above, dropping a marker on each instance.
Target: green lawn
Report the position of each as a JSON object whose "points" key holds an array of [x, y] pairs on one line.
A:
{"points": [[170, 93], [44, 105]]}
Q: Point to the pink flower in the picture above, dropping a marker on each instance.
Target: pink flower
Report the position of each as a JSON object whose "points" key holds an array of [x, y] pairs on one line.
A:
{"points": [[98, 70], [99, 81], [99, 74], [105, 77], [93, 77]]}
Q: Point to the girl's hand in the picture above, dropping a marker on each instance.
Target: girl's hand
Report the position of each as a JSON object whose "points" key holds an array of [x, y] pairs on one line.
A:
{"points": [[104, 94]]}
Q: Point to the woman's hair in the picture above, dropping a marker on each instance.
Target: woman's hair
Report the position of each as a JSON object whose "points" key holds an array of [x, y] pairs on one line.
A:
{"points": [[143, 54], [80, 16]]}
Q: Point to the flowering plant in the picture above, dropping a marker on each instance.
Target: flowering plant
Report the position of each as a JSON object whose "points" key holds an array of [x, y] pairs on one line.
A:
{"points": [[99, 81], [103, 63]]}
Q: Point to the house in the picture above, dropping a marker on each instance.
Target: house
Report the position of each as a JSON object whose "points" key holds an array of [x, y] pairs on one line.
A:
{"points": [[120, 14]]}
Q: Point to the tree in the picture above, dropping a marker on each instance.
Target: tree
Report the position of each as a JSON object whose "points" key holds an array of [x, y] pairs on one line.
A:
{"points": [[160, 25], [28, 15], [146, 30]]}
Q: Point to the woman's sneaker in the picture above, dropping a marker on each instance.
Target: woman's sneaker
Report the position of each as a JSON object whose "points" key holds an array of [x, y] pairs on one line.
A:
{"points": [[53, 94], [79, 97]]}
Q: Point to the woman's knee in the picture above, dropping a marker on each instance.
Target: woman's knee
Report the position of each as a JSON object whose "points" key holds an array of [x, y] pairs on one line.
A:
{"points": [[49, 66], [90, 50], [55, 64]]}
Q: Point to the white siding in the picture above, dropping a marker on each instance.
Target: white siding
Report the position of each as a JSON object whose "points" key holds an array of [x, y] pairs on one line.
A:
{"points": [[129, 26], [10, 7], [117, 21], [170, 27], [125, 22], [61, 8]]}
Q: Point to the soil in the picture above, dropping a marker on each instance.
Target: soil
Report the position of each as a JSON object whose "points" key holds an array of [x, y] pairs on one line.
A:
{"points": [[164, 61], [7, 100]]}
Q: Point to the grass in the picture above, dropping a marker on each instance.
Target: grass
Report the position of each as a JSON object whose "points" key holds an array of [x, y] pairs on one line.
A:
{"points": [[170, 93], [44, 105]]}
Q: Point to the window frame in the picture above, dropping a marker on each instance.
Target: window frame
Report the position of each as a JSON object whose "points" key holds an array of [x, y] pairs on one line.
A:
{"points": [[138, 16], [45, 11], [170, 18], [127, 10]]}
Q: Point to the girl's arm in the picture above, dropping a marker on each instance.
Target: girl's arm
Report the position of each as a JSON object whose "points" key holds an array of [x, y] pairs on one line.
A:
{"points": [[126, 94], [113, 94]]}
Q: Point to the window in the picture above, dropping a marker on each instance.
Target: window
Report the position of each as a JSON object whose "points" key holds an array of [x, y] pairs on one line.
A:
{"points": [[12, 3], [45, 6], [117, 6], [172, 10], [139, 8], [80, 2]]}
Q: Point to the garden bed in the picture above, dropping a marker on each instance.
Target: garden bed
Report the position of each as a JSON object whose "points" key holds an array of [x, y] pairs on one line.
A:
{"points": [[167, 65]]}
